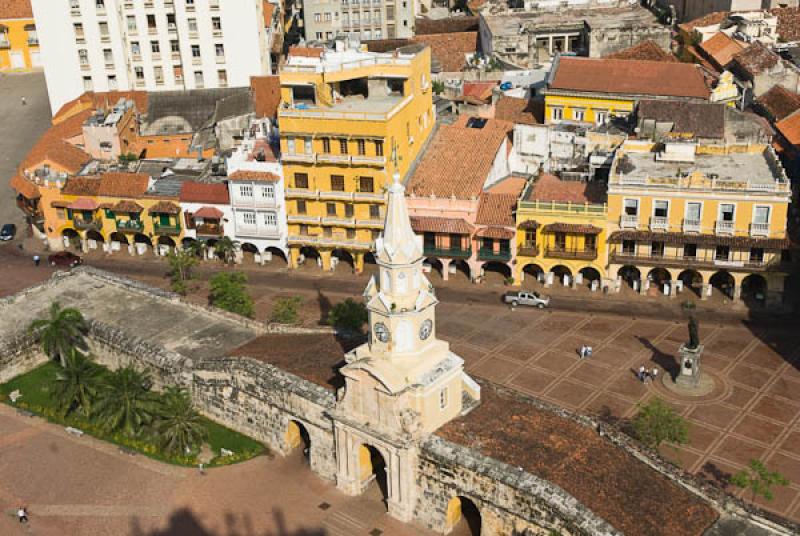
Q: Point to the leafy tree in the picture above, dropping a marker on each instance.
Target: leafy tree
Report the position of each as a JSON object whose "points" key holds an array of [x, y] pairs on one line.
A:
{"points": [[284, 311], [179, 427], [656, 422], [197, 248], [76, 384], [60, 332], [759, 480], [125, 403], [181, 262], [438, 87], [226, 249], [228, 292], [348, 315]]}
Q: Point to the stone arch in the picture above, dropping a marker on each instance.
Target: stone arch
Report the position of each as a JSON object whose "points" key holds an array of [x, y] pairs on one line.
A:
{"points": [[436, 265], [187, 241], [369, 258], [462, 267], [724, 282], [344, 257], [754, 288], [590, 273], [629, 274], [495, 267], [531, 274], [659, 277], [166, 241], [119, 237], [250, 252], [463, 517], [71, 238], [373, 468], [692, 280], [277, 252], [297, 437], [559, 271], [94, 239], [309, 256]]}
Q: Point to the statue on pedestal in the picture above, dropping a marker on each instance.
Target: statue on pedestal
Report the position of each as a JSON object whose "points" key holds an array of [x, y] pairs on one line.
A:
{"points": [[694, 335], [689, 373]]}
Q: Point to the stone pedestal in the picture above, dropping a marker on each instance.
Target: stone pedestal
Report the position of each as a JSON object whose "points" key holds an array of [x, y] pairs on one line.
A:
{"points": [[689, 373]]}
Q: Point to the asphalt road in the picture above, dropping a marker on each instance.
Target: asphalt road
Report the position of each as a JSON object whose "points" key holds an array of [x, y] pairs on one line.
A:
{"points": [[22, 126]]}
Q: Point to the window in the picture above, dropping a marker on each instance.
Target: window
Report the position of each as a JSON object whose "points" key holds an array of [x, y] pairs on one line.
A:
{"points": [[726, 211], [327, 232], [600, 117], [557, 114], [374, 212], [301, 180], [330, 209], [722, 253], [693, 211], [135, 49], [83, 56], [246, 190], [561, 241], [631, 207], [151, 23], [660, 209], [326, 145], [198, 79], [268, 191], [108, 56], [629, 247], [87, 83], [222, 77], [216, 24], [589, 243], [348, 210], [158, 74], [530, 238], [577, 115], [139, 72], [195, 51], [290, 146], [174, 46], [155, 47], [219, 50], [657, 249], [374, 234], [379, 148], [365, 184], [301, 206], [689, 251], [192, 23], [307, 147], [270, 219], [131, 20], [757, 255], [362, 147], [343, 146], [337, 183], [444, 398], [249, 218], [103, 29], [761, 215], [304, 230], [317, 17], [100, 4], [78, 27], [350, 234], [319, 36]]}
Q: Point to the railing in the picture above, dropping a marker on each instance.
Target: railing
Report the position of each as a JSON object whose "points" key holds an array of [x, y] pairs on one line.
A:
{"points": [[372, 222], [691, 226], [87, 225], [309, 158], [628, 221], [459, 253], [331, 67], [369, 160], [262, 232], [565, 253], [336, 194], [301, 192], [528, 250], [333, 241], [33, 41], [724, 227], [683, 182], [368, 196], [303, 218], [167, 229], [130, 225], [333, 220], [572, 208], [333, 158], [659, 223], [759, 229], [208, 229], [708, 261], [491, 255]]}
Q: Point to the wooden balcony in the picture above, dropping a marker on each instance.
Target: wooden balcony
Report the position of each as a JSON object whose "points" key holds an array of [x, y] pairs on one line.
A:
{"points": [[492, 255], [528, 250], [565, 253], [454, 253], [209, 229], [167, 230], [130, 226]]}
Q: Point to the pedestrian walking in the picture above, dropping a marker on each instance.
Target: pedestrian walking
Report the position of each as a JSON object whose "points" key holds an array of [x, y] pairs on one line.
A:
{"points": [[641, 374], [22, 514], [24, 102], [36, 260], [655, 373], [202, 469]]}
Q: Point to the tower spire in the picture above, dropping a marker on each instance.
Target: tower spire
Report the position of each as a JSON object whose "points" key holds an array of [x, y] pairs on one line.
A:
{"points": [[398, 244]]}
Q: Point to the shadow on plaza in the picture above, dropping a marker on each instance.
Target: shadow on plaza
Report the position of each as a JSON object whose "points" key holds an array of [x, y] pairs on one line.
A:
{"points": [[184, 522]]}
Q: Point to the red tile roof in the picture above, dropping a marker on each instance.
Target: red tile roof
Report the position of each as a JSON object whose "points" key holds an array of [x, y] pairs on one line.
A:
{"points": [[629, 77], [479, 90], [266, 95], [53, 147], [83, 203], [458, 159], [127, 206], [118, 184], [755, 59], [15, 9], [518, 111], [575, 228], [198, 192], [450, 49], [424, 26], [269, 12], [306, 52], [646, 50], [88, 186], [721, 49], [499, 233], [788, 22], [496, 209], [709, 19], [24, 187], [551, 188], [779, 102], [244, 175], [789, 127], [165, 207], [211, 213], [430, 224]]}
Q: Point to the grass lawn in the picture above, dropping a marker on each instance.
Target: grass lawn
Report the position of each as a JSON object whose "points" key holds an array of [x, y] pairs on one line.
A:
{"points": [[34, 387]]}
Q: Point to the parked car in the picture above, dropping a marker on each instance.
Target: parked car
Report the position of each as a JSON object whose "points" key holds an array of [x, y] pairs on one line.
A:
{"points": [[8, 231], [524, 297], [64, 258]]}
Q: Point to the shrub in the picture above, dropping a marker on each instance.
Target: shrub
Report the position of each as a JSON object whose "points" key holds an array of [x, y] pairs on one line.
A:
{"points": [[759, 480], [228, 292], [438, 87], [285, 310], [348, 315], [656, 422]]}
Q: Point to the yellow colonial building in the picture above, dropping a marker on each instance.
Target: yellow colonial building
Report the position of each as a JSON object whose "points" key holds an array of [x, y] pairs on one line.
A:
{"points": [[19, 44], [593, 90], [687, 216], [348, 119], [561, 232]]}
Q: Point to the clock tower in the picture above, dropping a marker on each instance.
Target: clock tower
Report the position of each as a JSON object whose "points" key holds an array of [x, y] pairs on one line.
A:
{"points": [[403, 383]]}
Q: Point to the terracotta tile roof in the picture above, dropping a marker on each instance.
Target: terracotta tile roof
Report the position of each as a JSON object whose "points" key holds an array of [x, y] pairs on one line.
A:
{"points": [[779, 102], [458, 159], [53, 147], [702, 119], [450, 49], [424, 26], [24, 187], [646, 50], [496, 209], [529, 224], [431, 224], [721, 49], [575, 228], [717, 17], [266, 95], [789, 127], [83, 203], [86, 186], [479, 90], [788, 22], [629, 77], [165, 207], [128, 207], [59, 203], [243, 175], [755, 59], [118, 184], [306, 52], [513, 184], [211, 213], [198, 192], [269, 12], [498, 233], [15, 9], [518, 111], [612, 483], [551, 188]]}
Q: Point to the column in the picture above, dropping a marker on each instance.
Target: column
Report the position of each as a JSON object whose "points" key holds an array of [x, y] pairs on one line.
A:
{"points": [[358, 259], [446, 268], [737, 293], [705, 291], [673, 288], [294, 254], [326, 260]]}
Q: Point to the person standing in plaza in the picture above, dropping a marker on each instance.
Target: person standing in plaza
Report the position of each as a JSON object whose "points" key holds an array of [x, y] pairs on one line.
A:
{"points": [[654, 373], [641, 374], [36, 260], [22, 514]]}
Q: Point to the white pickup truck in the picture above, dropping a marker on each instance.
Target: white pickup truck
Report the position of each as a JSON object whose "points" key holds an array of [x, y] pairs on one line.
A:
{"points": [[534, 299]]}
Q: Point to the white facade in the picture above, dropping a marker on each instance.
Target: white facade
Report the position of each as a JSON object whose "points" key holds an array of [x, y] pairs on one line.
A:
{"points": [[152, 45], [361, 19], [258, 206]]}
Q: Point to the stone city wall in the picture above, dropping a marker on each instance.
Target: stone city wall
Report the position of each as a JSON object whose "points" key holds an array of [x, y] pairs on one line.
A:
{"points": [[18, 355]]}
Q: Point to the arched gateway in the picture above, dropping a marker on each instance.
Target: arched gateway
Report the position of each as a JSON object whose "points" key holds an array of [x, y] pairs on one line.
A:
{"points": [[402, 384]]}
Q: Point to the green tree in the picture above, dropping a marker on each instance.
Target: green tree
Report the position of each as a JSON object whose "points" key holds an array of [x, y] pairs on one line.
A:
{"points": [[179, 427], [60, 332], [77, 383], [438, 87], [348, 315], [125, 403], [226, 249], [228, 292], [284, 311], [181, 262], [197, 248], [759, 480], [657, 422]]}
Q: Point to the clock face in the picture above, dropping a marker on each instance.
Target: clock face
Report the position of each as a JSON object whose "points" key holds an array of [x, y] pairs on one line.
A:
{"points": [[425, 329], [381, 332]]}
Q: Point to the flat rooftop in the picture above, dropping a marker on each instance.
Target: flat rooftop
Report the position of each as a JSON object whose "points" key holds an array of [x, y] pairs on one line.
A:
{"points": [[596, 18]]}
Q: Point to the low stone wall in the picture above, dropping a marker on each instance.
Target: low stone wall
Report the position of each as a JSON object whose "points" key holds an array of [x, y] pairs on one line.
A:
{"points": [[18, 355], [510, 500]]}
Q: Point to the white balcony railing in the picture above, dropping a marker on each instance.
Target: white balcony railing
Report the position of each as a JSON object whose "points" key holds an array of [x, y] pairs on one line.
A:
{"points": [[691, 226], [659, 223], [724, 227], [629, 221], [759, 229]]}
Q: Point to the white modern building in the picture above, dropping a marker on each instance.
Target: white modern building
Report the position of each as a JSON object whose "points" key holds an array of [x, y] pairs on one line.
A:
{"points": [[152, 45], [257, 195]]}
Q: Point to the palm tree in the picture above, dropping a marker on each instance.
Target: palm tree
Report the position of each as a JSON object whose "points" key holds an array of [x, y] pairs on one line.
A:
{"points": [[60, 332], [76, 384], [125, 403], [226, 249], [196, 247], [179, 427]]}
